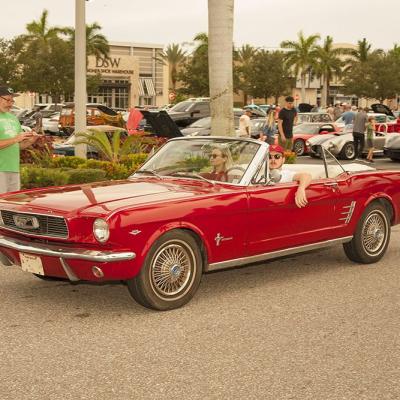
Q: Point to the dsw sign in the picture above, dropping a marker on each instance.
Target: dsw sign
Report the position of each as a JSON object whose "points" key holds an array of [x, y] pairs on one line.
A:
{"points": [[107, 62]]}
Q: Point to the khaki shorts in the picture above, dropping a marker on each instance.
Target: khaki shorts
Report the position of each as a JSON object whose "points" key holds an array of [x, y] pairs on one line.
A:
{"points": [[288, 145], [9, 182]]}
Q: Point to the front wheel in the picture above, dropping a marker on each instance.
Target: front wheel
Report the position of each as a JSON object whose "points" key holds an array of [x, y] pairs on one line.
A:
{"points": [[299, 147], [372, 236], [348, 151], [170, 274]]}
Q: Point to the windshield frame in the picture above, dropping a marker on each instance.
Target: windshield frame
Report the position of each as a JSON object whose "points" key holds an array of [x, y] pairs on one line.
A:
{"points": [[251, 170]]}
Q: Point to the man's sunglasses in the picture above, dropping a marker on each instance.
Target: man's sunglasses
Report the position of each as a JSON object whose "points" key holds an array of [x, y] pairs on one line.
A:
{"points": [[276, 156], [8, 100]]}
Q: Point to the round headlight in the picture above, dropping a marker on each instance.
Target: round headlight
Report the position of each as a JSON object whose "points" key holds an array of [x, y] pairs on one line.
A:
{"points": [[101, 230]]}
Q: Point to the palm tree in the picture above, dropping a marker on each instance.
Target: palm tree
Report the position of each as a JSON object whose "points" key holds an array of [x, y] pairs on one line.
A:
{"points": [[245, 56], [220, 49], [172, 56], [360, 54], [302, 57], [96, 43], [39, 31], [329, 64]]}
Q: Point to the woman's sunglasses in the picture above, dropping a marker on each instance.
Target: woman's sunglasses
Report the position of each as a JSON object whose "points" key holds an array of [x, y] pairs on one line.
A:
{"points": [[276, 156], [215, 155]]}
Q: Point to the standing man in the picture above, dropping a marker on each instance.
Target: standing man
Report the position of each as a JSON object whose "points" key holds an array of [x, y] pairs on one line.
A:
{"points": [[348, 115], [11, 140], [337, 111], [359, 125], [286, 119], [244, 124]]}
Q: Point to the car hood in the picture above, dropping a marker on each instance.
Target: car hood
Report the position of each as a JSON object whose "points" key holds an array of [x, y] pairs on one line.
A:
{"points": [[103, 197], [381, 109], [318, 139], [161, 123], [202, 131]]}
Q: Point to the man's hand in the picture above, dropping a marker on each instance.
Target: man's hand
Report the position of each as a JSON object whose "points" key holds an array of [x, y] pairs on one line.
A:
{"points": [[301, 198], [24, 136]]}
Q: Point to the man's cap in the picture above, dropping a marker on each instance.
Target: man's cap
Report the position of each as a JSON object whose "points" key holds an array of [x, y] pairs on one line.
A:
{"points": [[276, 148], [7, 91]]}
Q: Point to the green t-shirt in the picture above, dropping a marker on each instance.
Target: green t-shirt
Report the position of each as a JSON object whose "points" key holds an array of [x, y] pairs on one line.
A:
{"points": [[9, 156]]}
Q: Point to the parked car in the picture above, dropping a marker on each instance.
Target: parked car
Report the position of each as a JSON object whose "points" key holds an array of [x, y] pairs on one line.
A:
{"points": [[188, 111], [342, 145], [166, 225], [96, 114], [383, 122], [257, 111], [313, 117], [67, 148], [305, 131], [50, 124], [202, 127], [391, 148]]}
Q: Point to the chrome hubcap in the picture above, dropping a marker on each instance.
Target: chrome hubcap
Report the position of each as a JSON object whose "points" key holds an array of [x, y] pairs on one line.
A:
{"points": [[172, 268], [374, 233]]}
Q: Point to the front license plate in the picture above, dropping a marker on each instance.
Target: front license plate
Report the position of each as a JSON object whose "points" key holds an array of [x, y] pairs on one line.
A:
{"points": [[31, 263]]}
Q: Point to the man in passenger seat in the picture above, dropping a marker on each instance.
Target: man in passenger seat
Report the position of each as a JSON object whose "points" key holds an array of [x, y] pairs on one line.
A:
{"points": [[276, 156]]}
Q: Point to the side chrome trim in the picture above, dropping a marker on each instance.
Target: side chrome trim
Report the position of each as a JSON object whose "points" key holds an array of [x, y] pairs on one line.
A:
{"points": [[60, 252], [237, 262]]}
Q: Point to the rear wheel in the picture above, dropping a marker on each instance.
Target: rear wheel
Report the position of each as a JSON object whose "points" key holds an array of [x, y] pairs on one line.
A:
{"points": [[299, 147], [372, 236], [348, 151], [170, 274]]}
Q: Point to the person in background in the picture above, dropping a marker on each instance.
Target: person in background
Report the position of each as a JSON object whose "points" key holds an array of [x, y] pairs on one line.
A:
{"points": [[360, 122], [276, 156], [244, 124], [348, 115], [370, 138], [286, 119], [337, 111], [12, 139], [270, 129]]}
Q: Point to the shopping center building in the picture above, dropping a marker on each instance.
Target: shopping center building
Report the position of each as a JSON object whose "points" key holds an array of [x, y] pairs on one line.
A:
{"points": [[131, 76]]}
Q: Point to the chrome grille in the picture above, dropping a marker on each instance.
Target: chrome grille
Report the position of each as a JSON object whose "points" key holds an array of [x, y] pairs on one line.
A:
{"points": [[48, 224]]}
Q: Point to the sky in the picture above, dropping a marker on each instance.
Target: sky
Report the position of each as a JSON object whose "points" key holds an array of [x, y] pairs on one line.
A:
{"points": [[261, 23]]}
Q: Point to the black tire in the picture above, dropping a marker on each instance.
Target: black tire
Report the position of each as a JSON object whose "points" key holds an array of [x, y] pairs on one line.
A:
{"points": [[176, 261], [348, 151], [299, 147], [371, 237]]}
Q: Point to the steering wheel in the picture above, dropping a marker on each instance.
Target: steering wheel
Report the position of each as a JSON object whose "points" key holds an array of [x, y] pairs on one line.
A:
{"points": [[239, 173]]}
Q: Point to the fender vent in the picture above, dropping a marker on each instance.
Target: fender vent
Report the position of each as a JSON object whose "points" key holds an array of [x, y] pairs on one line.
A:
{"points": [[347, 212]]}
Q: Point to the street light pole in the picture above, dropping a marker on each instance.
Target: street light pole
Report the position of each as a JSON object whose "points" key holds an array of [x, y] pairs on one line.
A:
{"points": [[80, 74]]}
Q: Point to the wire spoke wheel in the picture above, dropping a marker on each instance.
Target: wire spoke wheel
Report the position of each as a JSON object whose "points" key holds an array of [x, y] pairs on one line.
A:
{"points": [[172, 269], [374, 233]]}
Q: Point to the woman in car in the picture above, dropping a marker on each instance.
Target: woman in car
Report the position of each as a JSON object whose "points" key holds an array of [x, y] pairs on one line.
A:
{"points": [[220, 159]]}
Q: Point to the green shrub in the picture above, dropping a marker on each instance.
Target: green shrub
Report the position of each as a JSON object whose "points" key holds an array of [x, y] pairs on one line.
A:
{"points": [[33, 177], [67, 162], [85, 175], [112, 170]]}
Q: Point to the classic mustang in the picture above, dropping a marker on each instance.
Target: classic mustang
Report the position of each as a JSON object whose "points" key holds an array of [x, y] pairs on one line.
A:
{"points": [[178, 217]]}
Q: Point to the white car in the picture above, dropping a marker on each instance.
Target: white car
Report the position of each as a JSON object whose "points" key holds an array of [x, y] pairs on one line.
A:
{"points": [[341, 145], [391, 148], [382, 120], [50, 124]]}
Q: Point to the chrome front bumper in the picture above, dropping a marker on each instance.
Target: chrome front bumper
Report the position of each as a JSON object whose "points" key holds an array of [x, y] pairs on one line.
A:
{"points": [[64, 253]]}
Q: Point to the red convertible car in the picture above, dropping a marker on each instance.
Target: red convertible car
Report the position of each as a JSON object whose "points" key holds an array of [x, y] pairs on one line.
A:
{"points": [[307, 130], [174, 219]]}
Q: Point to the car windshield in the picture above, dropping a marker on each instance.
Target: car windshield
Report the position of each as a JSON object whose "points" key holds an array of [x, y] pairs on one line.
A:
{"points": [[182, 107], [205, 158], [202, 123], [307, 129]]}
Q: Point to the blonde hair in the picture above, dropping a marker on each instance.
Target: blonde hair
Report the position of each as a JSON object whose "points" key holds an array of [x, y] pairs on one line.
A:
{"points": [[225, 152]]}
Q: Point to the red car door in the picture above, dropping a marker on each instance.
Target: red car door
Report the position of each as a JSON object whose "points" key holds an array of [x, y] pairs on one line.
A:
{"points": [[275, 222]]}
